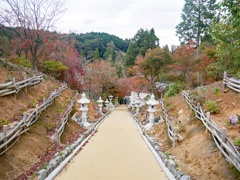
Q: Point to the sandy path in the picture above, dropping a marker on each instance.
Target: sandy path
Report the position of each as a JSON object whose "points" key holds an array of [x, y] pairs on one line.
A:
{"points": [[116, 151]]}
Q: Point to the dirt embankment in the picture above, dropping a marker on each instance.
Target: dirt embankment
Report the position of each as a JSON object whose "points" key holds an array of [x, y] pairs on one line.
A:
{"points": [[34, 147], [197, 154]]}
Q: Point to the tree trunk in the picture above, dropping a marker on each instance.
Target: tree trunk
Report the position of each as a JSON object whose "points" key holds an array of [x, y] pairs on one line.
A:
{"points": [[34, 62]]}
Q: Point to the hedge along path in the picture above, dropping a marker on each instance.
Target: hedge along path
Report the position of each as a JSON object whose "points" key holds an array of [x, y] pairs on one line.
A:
{"points": [[117, 151]]}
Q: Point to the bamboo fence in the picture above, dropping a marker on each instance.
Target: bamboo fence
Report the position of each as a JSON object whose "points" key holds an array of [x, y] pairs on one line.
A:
{"points": [[171, 132], [14, 87], [223, 143], [9, 138], [231, 83], [60, 129]]}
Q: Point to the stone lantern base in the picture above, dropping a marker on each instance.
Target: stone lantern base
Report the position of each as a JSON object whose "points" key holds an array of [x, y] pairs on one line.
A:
{"points": [[110, 105], [85, 124], [149, 125]]}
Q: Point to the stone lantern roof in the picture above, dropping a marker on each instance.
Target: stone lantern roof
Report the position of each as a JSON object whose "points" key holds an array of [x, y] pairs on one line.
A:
{"points": [[133, 101], [100, 100], [152, 101], [137, 100], [83, 100], [106, 101]]}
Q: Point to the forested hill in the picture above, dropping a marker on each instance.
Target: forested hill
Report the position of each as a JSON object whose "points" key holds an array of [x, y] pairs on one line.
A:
{"points": [[95, 45]]}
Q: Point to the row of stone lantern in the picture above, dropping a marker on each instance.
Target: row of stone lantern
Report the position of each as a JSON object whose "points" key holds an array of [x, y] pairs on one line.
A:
{"points": [[151, 108], [136, 104], [84, 108]]}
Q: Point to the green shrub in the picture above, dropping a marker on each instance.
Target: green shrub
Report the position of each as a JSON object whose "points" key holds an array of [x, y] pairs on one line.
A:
{"points": [[147, 97], [33, 103], [212, 107], [54, 68], [21, 61], [175, 88], [216, 90], [238, 143], [4, 122], [197, 97], [238, 75]]}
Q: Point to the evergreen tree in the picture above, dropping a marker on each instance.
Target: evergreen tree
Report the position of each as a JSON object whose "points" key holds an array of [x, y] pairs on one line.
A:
{"points": [[226, 34], [140, 44], [197, 16], [130, 55], [96, 55]]}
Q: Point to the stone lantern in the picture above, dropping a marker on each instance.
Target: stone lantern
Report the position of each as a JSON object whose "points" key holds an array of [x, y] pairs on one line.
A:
{"points": [[110, 105], [106, 103], [100, 104], [151, 109], [133, 103], [116, 102], [84, 108], [137, 104]]}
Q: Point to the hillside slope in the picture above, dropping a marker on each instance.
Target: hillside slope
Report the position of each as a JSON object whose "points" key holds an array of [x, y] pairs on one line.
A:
{"points": [[35, 147], [197, 154]]}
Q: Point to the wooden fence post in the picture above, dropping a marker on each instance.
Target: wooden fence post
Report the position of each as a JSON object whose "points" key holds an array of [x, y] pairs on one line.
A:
{"points": [[208, 119], [14, 82], [36, 109], [198, 108], [26, 86], [224, 79], [56, 136], [24, 118], [174, 140], [225, 75], [223, 137], [5, 134]]}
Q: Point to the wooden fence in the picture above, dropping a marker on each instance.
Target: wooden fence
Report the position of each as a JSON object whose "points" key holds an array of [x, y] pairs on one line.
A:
{"points": [[171, 132], [14, 87], [60, 129], [232, 83], [9, 138], [223, 143]]}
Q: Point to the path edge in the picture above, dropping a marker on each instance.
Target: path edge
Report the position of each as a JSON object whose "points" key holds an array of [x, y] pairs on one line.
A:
{"points": [[159, 160], [58, 169]]}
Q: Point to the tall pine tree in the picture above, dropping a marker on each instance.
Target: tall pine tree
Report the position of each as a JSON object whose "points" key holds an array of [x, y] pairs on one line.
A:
{"points": [[197, 16], [139, 45]]}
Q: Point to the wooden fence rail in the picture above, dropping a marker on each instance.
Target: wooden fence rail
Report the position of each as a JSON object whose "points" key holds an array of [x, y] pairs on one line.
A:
{"points": [[8, 139], [231, 83], [14, 87], [171, 132], [60, 129], [223, 143]]}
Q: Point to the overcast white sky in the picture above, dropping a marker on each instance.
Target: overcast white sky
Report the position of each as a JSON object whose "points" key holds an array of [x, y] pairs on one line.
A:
{"points": [[123, 17]]}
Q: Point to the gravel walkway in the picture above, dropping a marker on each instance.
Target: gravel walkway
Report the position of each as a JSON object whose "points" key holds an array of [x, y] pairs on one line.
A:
{"points": [[116, 151]]}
